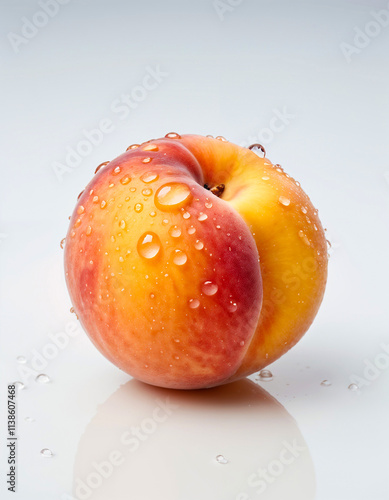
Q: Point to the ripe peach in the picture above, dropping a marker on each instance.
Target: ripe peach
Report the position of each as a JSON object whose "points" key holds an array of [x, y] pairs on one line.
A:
{"points": [[191, 261]]}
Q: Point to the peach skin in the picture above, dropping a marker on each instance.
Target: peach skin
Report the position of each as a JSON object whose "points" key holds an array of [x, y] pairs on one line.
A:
{"points": [[191, 261]]}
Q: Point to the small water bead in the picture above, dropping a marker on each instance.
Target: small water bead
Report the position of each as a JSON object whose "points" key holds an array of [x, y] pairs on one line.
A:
{"points": [[132, 189], [149, 245], [62, 244], [77, 223], [101, 166], [202, 217], [149, 177], [221, 138], [199, 245], [241, 343], [209, 288], [208, 204], [165, 222], [353, 387], [46, 453], [194, 303], [284, 201], [221, 459], [95, 199], [325, 383], [233, 306], [186, 215], [73, 234], [304, 210], [125, 180], [173, 135], [116, 171], [88, 231], [153, 214], [179, 257], [80, 210], [133, 146], [303, 236], [146, 160], [147, 192], [175, 232], [21, 359], [258, 149], [19, 386], [172, 196], [138, 207], [265, 178], [265, 375], [122, 224], [42, 378], [111, 185], [103, 204], [150, 147], [191, 230]]}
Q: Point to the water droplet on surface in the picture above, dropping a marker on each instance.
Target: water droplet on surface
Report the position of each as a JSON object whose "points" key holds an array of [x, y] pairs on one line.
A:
{"points": [[18, 385], [194, 303], [147, 192], [80, 210], [62, 244], [175, 232], [153, 214], [221, 138], [209, 288], [208, 204], [125, 180], [103, 204], [133, 146], [173, 135], [88, 231], [258, 149], [149, 245], [325, 383], [46, 453], [265, 375], [186, 215], [265, 178], [284, 201], [199, 245], [353, 387], [303, 236], [172, 196], [233, 306], [42, 378], [138, 207], [146, 160], [95, 199], [79, 196], [241, 343], [73, 234], [304, 210], [116, 171], [122, 224], [77, 223], [202, 217], [150, 147], [191, 230], [221, 459], [21, 359], [179, 257], [101, 166], [149, 177]]}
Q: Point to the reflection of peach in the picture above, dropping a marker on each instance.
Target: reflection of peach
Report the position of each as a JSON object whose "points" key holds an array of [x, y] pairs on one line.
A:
{"points": [[172, 246], [147, 442]]}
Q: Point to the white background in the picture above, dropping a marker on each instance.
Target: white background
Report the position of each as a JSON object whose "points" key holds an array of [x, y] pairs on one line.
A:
{"points": [[226, 73]]}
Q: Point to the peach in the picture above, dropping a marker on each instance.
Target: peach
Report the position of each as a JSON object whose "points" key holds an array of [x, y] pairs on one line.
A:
{"points": [[191, 261]]}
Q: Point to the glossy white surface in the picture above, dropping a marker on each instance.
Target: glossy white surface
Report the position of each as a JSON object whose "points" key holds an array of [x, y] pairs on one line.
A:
{"points": [[230, 77]]}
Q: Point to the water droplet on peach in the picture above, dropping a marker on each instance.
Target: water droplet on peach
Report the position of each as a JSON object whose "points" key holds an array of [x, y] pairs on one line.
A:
{"points": [[175, 232], [172, 196], [150, 147], [209, 288], [122, 224], [284, 201], [194, 303], [116, 171], [80, 210], [88, 231], [95, 199], [221, 138], [208, 204], [147, 192], [179, 257], [138, 207], [232, 306], [146, 160], [149, 177], [133, 146], [199, 245], [202, 217], [191, 230], [149, 245], [101, 166], [173, 135], [103, 204], [125, 180]]}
